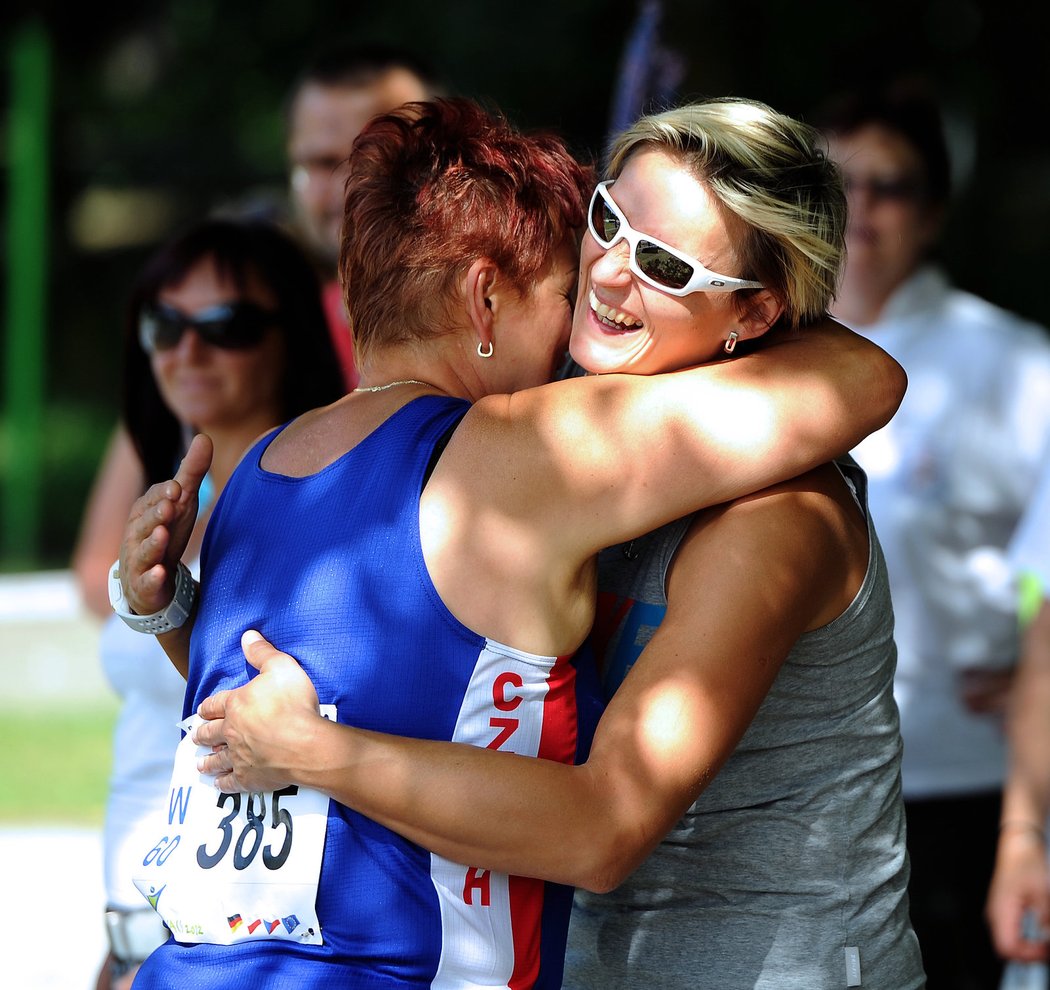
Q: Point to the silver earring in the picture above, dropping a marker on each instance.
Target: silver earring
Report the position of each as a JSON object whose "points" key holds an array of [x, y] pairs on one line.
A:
{"points": [[484, 354], [730, 345]]}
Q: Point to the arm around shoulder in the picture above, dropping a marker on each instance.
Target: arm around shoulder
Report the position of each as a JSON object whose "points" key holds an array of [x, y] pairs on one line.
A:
{"points": [[622, 454]]}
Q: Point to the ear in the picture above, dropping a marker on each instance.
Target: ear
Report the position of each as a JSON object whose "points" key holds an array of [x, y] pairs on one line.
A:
{"points": [[758, 313], [478, 284]]}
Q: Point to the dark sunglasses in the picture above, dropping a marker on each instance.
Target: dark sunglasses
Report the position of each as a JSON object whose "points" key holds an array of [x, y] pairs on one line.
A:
{"points": [[892, 188], [232, 326], [662, 266]]}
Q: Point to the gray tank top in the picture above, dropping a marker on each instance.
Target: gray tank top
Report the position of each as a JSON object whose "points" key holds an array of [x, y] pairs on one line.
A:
{"points": [[790, 870]]}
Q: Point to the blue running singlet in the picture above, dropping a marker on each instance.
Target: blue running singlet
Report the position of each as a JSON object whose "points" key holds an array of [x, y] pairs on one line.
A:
{"points": [[330, 568]]}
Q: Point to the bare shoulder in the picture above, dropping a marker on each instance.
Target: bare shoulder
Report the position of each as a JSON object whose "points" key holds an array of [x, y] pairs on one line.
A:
{"points": [[804, 540], [544, 436], [817, 499]]}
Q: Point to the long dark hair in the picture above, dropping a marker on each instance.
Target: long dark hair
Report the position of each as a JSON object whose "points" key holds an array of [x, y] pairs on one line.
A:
{"points": [[240, 250]]}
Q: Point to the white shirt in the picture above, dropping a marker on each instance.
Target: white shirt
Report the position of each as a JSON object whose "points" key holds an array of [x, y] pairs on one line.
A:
{"points": [[951, 478], [144, 742]]}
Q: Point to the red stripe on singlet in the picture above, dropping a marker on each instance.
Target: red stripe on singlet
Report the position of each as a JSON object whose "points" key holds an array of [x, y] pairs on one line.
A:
{"points": [[557, 742]]}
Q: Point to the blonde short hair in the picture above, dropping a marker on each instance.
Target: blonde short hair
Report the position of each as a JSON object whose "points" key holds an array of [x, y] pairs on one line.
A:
{"points": [[768, 170]]}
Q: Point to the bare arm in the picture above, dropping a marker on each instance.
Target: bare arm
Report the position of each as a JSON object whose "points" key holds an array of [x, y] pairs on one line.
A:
{"points": [[621, 454], [118, 483], [667, 731], [155, 538], [1021, 881]]}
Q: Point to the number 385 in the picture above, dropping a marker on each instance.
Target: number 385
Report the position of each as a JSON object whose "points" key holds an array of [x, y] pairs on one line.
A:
{"points": [[249, 841]]}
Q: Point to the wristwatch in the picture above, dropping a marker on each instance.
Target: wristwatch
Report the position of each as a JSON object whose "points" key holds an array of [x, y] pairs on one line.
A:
{"points": [[169, 618]]}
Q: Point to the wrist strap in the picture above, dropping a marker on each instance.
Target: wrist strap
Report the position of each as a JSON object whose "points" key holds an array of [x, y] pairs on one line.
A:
{"points": [[171, 617]]}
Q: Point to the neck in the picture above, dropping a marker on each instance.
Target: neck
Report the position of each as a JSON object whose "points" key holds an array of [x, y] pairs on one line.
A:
{"points": [[443, 365], [230, 443]]}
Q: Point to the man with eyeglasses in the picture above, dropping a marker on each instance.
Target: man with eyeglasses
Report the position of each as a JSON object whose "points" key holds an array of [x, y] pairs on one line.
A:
{"points": [[330, 103], [950, 481]]}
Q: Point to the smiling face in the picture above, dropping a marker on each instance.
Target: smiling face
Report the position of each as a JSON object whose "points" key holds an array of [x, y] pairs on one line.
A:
{"points": [[209, 387], [623, 324]]}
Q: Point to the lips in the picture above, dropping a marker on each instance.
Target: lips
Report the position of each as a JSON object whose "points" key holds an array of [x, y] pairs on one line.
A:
{"points": [[612, 318]]}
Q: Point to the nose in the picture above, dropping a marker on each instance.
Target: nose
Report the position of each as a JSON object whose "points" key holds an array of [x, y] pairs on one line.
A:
{"points": [[859, 195], [190, 346], [612, 267]]}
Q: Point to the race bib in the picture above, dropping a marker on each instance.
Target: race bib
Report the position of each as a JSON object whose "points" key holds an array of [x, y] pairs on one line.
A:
{"points": [[225, 868]]}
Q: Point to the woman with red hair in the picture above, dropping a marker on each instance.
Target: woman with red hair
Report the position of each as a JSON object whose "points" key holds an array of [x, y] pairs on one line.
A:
{"points": [[426, 547]]}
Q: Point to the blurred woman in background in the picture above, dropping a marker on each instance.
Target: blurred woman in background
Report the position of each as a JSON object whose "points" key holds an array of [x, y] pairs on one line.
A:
{"points": [[225, 335]]}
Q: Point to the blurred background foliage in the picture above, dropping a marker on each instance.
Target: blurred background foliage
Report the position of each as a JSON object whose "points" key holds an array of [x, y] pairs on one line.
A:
{"points": [[162, 111]]}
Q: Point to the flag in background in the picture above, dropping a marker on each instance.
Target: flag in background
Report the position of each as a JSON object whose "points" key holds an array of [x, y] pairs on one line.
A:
{"points": [[650, 73]]}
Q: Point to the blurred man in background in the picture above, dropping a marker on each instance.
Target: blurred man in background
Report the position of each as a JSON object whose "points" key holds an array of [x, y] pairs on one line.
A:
{"points": [[333, 99], [951, 478]]}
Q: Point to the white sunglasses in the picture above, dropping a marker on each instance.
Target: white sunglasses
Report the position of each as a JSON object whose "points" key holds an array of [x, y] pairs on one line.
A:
{"points": [[662, 266]]}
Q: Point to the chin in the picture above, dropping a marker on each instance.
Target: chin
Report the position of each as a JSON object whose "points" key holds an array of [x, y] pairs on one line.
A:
{"points": [[602, 358], [585, 358]]}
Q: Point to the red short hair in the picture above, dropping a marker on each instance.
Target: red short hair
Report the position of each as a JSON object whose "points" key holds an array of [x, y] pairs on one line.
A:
{"points": [[432, 187]]}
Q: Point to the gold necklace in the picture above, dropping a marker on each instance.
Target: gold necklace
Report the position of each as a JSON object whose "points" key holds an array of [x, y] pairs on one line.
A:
{"points": [[404, 381]]}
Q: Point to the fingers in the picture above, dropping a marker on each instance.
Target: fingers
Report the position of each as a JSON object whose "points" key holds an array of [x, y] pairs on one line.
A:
{"points": [[194, 466], [281, 669], [158, 530], [147, 574], [229, 784], [219, 766], [211, 708], [147, 536], [216, 763], [258, 651], [211, 733]]}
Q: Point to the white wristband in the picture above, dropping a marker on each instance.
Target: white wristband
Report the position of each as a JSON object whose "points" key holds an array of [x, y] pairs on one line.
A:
{"points": [[169, 618]]}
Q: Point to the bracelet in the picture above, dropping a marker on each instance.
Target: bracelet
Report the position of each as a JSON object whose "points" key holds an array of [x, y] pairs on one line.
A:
{"points": [[1018, 823], [171, 617]]}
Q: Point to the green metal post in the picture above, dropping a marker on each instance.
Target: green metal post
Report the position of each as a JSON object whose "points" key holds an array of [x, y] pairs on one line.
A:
{"points": [[27, 249]]}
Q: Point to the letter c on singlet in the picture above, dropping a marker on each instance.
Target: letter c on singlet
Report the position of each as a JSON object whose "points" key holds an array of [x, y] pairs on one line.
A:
{"points": [[500, 698]]}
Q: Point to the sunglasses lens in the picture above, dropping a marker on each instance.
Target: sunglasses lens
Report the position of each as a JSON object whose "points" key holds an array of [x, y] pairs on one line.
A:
{"points": [[159, 329], [234, 326], [662, 266], [896, 189], [604, 223]]}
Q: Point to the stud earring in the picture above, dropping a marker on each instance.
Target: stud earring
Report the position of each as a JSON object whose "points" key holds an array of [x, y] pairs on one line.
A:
{"points": [[730, 345], [484, 354]]}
